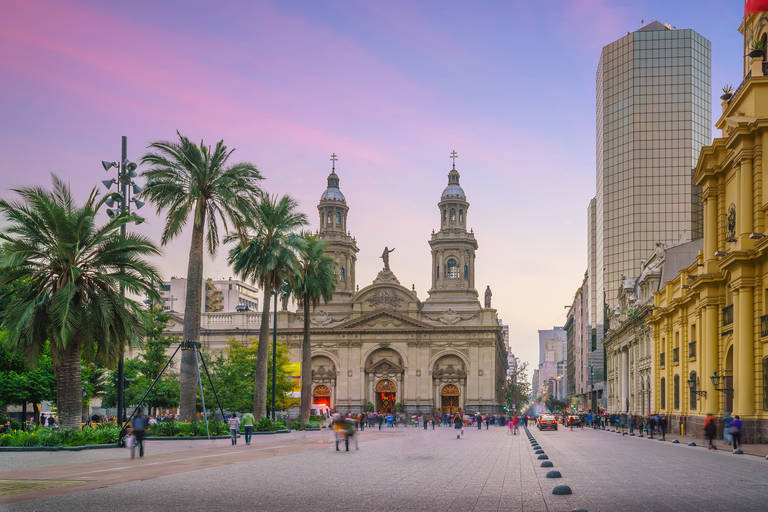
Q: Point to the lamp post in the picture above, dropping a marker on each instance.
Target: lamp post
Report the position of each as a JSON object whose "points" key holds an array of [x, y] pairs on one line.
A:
{"points": [[126, 171], [274, 357]]}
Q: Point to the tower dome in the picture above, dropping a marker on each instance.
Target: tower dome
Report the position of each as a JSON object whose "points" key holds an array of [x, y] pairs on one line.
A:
{"points": [[453, 190], [333, 193]]}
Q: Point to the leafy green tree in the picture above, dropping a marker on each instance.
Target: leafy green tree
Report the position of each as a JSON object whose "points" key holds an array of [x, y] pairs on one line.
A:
{"points": [[195, 181], [518, 388], [266, 255], [141, 371], [66, 272], [21, 383], [232, 374], [314, 279]]}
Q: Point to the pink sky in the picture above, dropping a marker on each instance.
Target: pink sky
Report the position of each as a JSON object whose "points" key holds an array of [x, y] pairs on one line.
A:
{"points": [[390, 87]]}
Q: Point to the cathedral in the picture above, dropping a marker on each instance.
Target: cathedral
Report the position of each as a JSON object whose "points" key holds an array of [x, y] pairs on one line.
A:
{"points": [[381, 343]]}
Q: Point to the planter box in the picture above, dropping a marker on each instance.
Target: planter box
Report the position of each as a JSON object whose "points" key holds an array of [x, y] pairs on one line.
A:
{"points": [[56, 448]]}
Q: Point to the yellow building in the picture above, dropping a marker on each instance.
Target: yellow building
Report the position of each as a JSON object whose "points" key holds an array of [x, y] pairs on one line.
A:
{"points": [[710, 324]]}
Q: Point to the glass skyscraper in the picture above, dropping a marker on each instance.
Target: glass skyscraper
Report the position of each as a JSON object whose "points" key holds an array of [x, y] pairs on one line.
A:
{"points": [[653, 116]]}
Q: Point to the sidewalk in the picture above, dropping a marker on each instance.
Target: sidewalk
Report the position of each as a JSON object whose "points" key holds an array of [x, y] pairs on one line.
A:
{"points": [[759, 450]]}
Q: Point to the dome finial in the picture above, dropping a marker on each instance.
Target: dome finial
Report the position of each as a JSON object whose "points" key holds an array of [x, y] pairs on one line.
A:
{"points": [[454, 155], [333, 161]]}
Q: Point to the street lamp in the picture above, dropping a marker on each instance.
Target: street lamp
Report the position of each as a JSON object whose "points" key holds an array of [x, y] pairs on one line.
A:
{"points": [[692, 383], [126, 171]]}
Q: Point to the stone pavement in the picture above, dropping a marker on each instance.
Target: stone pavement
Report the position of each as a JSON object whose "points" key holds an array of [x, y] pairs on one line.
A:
{"points": [[402, 469]]}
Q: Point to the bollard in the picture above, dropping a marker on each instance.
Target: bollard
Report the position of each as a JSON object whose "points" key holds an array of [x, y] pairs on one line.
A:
{"points": [[691, 444], [543, 457], [561, 490], [554, 474], [548, 464], [677, 442]]}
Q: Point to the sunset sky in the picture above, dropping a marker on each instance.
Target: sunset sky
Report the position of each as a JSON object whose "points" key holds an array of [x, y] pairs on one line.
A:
{"points": [[391, 87]]}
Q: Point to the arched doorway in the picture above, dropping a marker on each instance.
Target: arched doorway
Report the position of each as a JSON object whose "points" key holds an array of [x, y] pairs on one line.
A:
{"points": [[728, 381], [449, 379], [321, 395], [449, 399], [386, 396]]}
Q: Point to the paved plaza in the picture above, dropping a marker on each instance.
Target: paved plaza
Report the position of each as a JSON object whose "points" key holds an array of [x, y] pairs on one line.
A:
{"points": [[395, 469]]}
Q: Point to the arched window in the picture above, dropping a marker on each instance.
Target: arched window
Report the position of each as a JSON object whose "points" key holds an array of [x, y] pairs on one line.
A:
{"points": [[341, 274], [437, 272], [663, 386], [461, 215], [445, 214], [676, 391], [694, 385], [466, 271], [338, 218], [453, 214], [451, 270]]}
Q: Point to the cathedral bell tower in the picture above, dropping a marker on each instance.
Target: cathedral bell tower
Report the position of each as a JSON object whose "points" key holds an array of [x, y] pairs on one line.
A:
{"points": [[453, 251], [341, 246]]}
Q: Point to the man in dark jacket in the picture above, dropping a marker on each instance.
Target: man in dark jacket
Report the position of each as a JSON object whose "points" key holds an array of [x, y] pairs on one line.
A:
{"points": [[138, 429]]}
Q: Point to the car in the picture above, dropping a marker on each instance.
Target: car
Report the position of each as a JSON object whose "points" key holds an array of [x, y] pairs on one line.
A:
{"points": [[572, 421], [547, 422]]}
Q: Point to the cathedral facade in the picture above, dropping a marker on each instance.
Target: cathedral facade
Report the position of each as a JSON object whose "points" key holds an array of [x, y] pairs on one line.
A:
{"points": [[381, 343]]}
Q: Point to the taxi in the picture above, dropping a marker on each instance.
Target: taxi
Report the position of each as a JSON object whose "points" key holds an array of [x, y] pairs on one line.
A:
{"points": [[547, 422]]}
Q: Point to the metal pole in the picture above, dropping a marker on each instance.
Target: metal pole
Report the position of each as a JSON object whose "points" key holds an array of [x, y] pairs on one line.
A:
{"points": [[202, 396], [218, 402], [274, 359], [121, 183], [122, 428]]}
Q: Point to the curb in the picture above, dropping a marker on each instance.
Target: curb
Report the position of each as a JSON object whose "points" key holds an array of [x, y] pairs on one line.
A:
{"points": [[56, 448], [204, 438]]}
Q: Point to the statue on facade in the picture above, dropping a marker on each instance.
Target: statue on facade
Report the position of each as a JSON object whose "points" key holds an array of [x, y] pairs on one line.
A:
{"points": [[385, 257], [284, 299], [488, 295]]}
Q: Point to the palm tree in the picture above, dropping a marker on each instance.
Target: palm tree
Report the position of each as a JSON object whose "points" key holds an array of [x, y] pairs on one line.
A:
{"points": [[190, 180], [267, 256], [66, 273], [315, 278]]}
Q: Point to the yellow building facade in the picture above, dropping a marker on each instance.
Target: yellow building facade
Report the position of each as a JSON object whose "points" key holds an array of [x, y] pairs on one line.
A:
{"points": [[710, 323]]}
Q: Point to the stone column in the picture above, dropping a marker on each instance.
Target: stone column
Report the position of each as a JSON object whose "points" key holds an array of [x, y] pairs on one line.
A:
{"points": [[624, 379], [708, 350], [744, 218], [744, 355]]}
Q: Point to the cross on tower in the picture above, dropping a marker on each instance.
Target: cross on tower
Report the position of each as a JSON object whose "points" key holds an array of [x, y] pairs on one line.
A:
{"points": [[333, 160], [454, 156]]}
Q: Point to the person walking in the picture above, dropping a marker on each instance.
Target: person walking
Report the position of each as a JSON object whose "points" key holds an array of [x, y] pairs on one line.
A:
{"points": [[381, 421], [710, 430], [515, 425], [663, 427], [458, 424], [735, 431], [247, 422], [234, 427], [138, 429]]}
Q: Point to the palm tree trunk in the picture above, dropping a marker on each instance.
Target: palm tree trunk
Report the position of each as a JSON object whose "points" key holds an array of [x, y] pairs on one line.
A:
{"points": [[306, 367], [69, 390], [262, 354], [192, 312]]}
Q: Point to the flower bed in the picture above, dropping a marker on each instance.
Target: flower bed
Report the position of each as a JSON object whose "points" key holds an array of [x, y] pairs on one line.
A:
{"points": [[46, 436]]}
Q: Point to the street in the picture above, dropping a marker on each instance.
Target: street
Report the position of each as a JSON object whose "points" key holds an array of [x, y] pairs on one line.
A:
{"points": [[395, 469]]}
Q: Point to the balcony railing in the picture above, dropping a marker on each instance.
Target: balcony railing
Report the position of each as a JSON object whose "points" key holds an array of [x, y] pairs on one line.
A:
{"points": [[728, 315], [764, 326]]}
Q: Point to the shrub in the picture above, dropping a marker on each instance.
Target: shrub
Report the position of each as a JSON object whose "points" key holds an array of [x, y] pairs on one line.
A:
{"points": [[267, 425]]}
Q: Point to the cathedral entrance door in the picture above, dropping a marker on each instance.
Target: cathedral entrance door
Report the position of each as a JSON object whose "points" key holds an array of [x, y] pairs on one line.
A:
{"points": [[449, 399], [321, 395], [386, 396]]}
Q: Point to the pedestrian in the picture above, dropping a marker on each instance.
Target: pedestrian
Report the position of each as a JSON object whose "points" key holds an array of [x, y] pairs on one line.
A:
{"points": [[138, 429], [487, 422], [727, 419], [735, 431], [234, 427], [381, 421], [710, 430], [479, 420], [663, 427], [458, 424], [340, 431], [247, 420]]}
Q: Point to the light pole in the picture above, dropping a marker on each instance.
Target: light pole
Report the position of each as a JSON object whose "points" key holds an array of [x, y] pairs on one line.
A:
{"points": [[126, 171], [274, 357]]}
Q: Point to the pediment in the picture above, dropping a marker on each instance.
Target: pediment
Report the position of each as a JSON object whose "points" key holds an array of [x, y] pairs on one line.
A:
{"points": [[385, 295], [384, 320]]}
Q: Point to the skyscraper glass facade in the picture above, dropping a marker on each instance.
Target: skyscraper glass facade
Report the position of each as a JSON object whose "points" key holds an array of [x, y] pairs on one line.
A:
{"points": [[653, 116]]}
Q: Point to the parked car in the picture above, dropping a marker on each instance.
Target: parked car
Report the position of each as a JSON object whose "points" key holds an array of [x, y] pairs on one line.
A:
{"points": [[547, 422]]}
